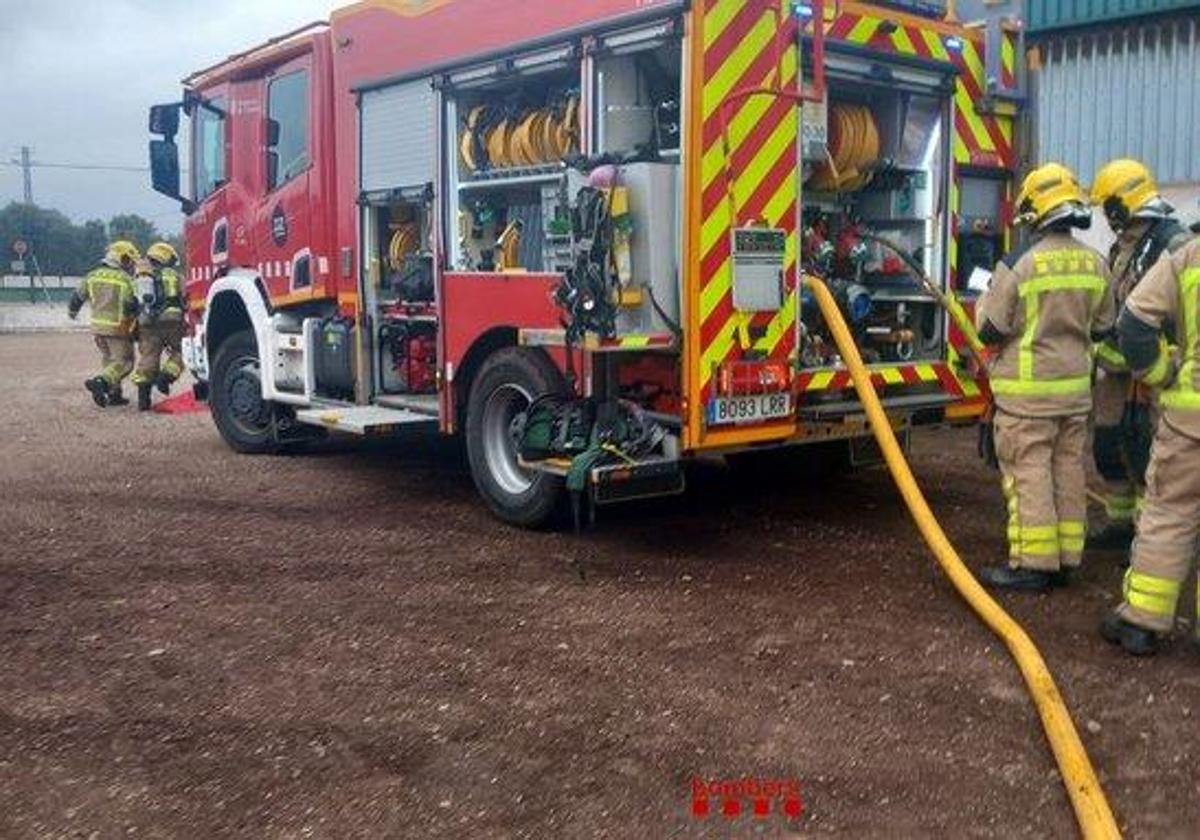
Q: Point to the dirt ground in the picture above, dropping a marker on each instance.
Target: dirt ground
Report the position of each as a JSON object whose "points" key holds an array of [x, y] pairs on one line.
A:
{"points": [[344, 644]]}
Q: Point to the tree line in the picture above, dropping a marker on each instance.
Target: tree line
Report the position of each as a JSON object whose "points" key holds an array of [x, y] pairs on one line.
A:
{"points": [[63, 247]]}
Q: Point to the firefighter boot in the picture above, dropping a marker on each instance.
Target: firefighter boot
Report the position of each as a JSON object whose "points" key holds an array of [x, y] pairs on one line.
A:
{"points": [[143, 389], [98, 388], [1135, 640], [115, 397], [163, 383], [1022, 580]]}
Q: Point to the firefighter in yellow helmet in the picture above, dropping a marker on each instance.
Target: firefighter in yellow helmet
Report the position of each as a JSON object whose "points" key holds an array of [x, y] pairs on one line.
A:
{"points": [[1165, 306], [160, 323], [108, 289], [1047, 303], [1123, 427]]}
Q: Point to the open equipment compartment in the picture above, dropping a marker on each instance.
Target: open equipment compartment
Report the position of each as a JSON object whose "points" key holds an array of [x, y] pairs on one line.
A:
{"points": [[398, 295], [510, 124], [877, 182], [637, 96], [401, 298]]}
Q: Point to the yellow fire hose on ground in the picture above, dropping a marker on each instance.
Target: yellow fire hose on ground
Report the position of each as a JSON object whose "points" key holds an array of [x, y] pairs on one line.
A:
{"points": [[1091, 808]]}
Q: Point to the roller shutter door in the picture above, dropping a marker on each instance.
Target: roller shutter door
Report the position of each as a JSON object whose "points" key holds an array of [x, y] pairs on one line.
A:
{"points": [[398, 136]]}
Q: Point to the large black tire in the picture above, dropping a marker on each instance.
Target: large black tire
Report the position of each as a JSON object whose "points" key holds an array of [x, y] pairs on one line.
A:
{"points": [[506, 384], [244, 419]]}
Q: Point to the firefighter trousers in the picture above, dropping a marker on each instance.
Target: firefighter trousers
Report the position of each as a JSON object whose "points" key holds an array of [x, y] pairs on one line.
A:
{"points": [[1112, 481], [155, 340], [1045, 485], [116, 358], [1167, 532]]}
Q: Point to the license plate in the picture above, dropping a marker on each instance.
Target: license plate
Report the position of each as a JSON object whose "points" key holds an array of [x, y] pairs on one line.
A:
{"points": [[724, 411]]}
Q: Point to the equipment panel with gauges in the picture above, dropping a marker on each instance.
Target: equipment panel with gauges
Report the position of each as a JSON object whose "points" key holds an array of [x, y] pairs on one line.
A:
{"points": [[759, 260]]}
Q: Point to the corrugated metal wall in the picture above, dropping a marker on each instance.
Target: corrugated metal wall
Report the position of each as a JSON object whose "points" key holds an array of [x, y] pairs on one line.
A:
{"points": [[1128, 92], [1057, 14]]}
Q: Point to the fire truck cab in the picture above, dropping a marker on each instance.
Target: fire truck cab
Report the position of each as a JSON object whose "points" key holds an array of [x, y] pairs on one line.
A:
{"points": [[575, 232]]}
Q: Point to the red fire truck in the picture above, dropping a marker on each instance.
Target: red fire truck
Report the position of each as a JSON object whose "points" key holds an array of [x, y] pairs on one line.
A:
{"points": [[573, 232]]}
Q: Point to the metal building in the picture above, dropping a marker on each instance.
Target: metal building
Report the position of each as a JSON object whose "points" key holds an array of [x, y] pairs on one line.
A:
{"points": [[1131, 89], [1046, 15], [1116, 78]]}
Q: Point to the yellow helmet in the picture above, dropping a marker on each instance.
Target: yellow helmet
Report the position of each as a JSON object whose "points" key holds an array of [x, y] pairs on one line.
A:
{"points": [[162, 253], [1125, 188], [122, 254], [1051, 193]]}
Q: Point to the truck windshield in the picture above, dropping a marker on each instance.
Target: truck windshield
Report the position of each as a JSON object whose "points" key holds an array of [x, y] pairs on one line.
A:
{"points": [[208, 138]]}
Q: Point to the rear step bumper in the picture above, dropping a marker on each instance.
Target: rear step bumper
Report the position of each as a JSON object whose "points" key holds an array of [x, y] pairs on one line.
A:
{"points": [[622, 482], [918, 402], [364, 420]]}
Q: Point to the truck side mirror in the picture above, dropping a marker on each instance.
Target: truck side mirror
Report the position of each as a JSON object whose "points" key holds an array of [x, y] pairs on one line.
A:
{"points": [[272, 133], [164, 171], [164, 120]]}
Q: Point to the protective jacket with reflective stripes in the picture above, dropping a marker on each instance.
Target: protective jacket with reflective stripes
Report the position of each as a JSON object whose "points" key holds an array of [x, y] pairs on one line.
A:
{"points": [[1169, 296], [110, 292], [1134, 253], [1048, 303], [172, 295]]}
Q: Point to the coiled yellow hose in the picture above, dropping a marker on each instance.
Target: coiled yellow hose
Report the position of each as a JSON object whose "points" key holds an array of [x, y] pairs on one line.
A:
{"points": [[1091, 808], [854, 147]]}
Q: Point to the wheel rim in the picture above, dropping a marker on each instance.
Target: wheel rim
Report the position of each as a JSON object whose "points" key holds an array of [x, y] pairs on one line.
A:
{"points": [[243, 392], [500, 448]]}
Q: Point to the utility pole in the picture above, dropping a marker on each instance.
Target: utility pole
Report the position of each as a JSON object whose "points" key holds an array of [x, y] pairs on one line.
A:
{"points": [[27, 171]]}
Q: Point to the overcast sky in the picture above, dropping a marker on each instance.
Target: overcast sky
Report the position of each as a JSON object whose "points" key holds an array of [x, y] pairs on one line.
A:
{"points": [[77, 78]]}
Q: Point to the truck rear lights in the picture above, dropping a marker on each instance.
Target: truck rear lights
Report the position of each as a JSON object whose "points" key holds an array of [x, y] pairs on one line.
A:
{"points": [[754, 377]]}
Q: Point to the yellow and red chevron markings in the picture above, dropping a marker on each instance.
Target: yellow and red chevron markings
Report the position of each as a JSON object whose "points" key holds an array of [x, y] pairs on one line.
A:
{"points": [[882, 376], [740, 52], [738, 44], [975, 134]]}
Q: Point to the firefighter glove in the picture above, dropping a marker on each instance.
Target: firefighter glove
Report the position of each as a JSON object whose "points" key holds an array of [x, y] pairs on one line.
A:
{"points": [[987, 440]]}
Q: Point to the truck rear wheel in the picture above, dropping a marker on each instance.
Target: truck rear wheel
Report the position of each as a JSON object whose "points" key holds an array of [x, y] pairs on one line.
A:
{"points": [[243, 417], [506, 385]]}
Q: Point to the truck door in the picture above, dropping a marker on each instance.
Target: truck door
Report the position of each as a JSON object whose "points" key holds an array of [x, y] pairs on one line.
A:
{"points": [[283, 220], [742, 297], [212, 182]]}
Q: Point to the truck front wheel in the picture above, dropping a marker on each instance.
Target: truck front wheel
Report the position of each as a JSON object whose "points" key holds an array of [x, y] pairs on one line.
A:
{"points": [[243, 417], [506, 385]]}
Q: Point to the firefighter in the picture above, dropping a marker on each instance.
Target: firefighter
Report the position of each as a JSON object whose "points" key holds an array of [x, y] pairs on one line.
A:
{"points": [[109, 290], [1046, 304], [160, 324], [1167, 300], [1122, 418]]}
